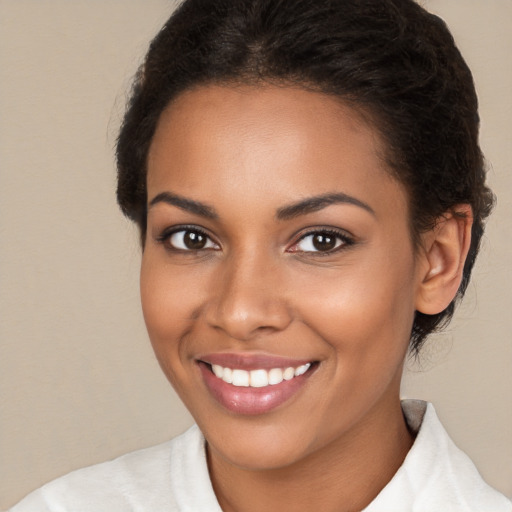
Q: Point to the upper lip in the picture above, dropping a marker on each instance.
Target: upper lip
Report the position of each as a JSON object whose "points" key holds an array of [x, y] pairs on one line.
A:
{"points": [[247, 361]]}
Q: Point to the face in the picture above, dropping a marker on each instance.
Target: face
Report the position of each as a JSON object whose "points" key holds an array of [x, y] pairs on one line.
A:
{"points": [[278, 277]]}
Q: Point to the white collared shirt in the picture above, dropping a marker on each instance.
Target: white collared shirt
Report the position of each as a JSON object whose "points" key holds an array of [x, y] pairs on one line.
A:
{"points": [[173, 477]]}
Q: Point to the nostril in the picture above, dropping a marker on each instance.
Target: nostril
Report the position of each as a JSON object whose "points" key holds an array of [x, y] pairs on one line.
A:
{"points": [[247, 318]]}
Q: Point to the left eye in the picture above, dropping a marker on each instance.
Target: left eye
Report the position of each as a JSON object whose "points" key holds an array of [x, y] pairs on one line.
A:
{"points": [[320, 241], [190, 240]]}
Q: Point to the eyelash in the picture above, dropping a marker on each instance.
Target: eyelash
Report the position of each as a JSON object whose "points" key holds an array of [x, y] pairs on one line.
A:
{"points": [[343, 241], [165, 238]]}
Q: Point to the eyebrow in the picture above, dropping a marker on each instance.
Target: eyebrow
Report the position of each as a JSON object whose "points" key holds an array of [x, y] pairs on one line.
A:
{"points": [[183, 203], [308, 205], [316, 203]]}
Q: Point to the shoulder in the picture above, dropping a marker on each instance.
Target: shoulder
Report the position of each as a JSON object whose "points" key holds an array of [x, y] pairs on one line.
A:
{"points": [[140, 480], [436, 474]]}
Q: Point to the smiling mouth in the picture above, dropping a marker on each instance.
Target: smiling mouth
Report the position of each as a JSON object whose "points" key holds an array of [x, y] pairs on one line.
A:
{"points": [[258, 378], [255, 390]]}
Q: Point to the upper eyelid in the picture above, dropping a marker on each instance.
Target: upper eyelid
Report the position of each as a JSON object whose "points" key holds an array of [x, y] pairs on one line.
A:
{"points": [[342, 233], [166, 233], [171, 230], [347, 241]]}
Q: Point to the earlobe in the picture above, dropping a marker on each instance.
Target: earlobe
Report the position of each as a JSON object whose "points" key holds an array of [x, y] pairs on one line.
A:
{"points": [[445, 248]]}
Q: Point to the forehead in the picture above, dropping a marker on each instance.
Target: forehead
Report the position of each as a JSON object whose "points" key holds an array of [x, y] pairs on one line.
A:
{"points": [[270, 141]]}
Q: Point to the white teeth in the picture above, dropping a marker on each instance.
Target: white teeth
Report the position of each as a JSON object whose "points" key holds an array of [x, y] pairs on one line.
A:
{"points": [[240, 378], [301, 370], [218, 370], [275, 376], [227, 375], [258, 378], [289, 373]]}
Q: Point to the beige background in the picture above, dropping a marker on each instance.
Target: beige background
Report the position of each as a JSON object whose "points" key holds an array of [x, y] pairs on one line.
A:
{"points": [[78, 380]]}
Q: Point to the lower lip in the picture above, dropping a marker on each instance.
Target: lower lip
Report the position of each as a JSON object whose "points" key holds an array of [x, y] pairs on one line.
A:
{"points": [[251, 401]]}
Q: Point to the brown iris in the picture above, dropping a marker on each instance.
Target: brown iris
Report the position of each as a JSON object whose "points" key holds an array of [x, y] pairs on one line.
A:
{"points": [[194, 240], [324, 241]]}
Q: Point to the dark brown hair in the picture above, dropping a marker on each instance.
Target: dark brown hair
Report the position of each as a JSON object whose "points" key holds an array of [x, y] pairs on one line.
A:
{"points": [[388, 58]]}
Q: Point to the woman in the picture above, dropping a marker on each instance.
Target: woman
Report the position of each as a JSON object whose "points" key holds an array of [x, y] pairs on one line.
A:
{"points": [[311, 196]]}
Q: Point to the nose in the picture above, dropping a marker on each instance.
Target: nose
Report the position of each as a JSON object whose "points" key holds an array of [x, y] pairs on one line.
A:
{"points": [[248, 299]]}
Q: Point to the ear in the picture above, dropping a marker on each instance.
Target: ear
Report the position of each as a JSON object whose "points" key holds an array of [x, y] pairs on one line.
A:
{"points": [[444, 251]]}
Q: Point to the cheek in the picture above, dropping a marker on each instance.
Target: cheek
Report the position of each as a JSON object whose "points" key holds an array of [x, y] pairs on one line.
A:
{"points": [[169, 294], [365, 309], [168, 305]]}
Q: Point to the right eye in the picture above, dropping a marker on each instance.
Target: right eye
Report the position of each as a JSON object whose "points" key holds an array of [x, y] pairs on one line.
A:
{"points": [[189, 240]]}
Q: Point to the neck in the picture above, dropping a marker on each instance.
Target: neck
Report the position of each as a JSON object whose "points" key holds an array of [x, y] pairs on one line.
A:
{"points": [[344, 476]]}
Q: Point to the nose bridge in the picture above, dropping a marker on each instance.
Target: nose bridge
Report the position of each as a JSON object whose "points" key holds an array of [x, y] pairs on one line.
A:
{"points": [[248, 298]]}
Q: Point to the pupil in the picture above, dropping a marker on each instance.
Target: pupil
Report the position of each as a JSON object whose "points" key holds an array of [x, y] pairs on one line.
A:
{"points": [[194, 240], [323, 242]]}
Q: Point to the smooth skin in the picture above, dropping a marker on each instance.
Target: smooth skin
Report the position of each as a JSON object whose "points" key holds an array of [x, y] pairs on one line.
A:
{"points": [[239, 259]]}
